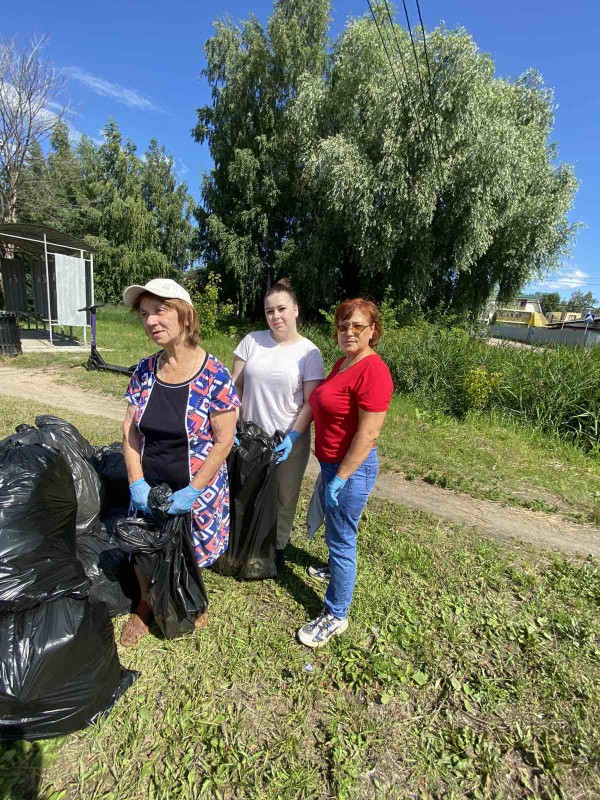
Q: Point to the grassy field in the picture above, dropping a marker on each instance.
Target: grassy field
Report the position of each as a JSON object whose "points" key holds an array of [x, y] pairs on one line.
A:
{"points": [[470, 670], [481, 455], [484, 456]]}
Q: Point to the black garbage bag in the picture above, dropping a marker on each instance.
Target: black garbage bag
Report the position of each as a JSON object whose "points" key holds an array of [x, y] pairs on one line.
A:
{"points": [[110, 570], [78, 453], [59, 669], [37, 528], [109, 463], [58, 661], [164, 552], [253, 506]]}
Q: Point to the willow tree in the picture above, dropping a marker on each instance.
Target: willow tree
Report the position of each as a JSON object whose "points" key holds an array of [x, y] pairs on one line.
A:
{"points": [[444, 195], [345, 170], [249, 211]]}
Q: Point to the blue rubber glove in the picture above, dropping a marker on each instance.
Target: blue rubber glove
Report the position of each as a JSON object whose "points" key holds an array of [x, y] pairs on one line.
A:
{"points": [[183, 500], [332, 490], [139, 491], [285, 448]]}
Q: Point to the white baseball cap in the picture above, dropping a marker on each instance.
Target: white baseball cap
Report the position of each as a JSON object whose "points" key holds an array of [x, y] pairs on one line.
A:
{"points": [[161, 287]]}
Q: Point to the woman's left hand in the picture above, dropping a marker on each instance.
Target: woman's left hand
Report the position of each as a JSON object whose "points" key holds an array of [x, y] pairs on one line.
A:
{"points": [[332, 490], [285, 448], [183, 500]]}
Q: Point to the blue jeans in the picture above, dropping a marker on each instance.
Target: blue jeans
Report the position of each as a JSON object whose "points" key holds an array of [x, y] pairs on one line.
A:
{"points": [[341, 525]]}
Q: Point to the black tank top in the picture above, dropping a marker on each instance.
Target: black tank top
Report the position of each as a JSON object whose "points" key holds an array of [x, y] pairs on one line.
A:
{"points": [[164, 426]]}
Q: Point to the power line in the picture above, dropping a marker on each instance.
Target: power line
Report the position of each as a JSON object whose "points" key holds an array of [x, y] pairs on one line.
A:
{"points": [[399, 49], [379, 31], [430, 82]]}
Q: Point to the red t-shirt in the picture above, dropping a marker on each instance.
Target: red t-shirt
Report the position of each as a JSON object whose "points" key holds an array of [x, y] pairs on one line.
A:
{"points": [[335, 403]]}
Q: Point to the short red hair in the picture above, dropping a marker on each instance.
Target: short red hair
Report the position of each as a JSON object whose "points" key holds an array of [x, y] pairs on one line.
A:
{"points": [[345, 310]]}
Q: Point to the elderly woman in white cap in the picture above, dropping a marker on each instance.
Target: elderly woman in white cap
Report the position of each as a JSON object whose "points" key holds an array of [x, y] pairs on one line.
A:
{"points": [[179, 428]]}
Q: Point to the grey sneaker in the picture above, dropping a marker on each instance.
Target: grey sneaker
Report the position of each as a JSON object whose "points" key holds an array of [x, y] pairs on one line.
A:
{"points": [[319, 631], [320, 573]]}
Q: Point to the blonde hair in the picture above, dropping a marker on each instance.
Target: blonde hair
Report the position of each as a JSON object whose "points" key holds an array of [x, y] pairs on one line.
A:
{"points": [[186, 315]]}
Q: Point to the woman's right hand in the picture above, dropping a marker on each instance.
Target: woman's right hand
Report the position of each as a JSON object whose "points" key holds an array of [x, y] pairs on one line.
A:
{"points": [[139, 491]]}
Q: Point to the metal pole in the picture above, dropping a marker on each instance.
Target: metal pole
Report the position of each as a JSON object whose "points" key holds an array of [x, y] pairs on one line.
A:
{"points": [[48, 289], [85, 312], [92, 275]]}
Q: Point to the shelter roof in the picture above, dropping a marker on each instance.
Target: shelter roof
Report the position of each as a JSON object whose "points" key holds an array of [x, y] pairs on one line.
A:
{"points": [[31, 238]]}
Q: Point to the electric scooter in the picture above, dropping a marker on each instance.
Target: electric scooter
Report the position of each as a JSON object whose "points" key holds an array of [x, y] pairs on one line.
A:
{"points": [[95, 360]]}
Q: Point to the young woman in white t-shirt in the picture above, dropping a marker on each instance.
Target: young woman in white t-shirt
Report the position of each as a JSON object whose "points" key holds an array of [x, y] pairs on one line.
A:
{"points": [[274, 372]]}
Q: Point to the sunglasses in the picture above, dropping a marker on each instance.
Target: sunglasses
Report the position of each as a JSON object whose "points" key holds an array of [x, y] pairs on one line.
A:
{"points": [[351, 326]]}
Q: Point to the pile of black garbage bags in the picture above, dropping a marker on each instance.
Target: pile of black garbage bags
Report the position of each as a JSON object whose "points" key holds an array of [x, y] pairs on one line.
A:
{"points": [[58, 661], [66, 567]]}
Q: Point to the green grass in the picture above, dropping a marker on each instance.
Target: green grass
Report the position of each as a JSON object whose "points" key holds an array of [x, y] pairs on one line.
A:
{"points": [[484, 456], [121, 333], [470, 670], [99, 430]]}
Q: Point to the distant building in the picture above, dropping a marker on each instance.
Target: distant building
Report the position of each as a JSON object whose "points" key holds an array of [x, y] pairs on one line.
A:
{"points": [[579, 323], [522, 306], [525, 302], [561, 316]]}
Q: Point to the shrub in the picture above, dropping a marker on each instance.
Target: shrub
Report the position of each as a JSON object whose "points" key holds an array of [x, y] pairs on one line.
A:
{"points": [[212, 315], [556, 389]]}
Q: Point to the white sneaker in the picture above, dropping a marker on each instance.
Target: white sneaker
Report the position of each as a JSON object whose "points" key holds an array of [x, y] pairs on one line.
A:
{"points": [[319, 631], [320, 573]]}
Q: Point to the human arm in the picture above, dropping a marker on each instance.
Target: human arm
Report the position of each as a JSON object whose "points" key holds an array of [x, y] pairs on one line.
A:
{"points": [[367, 433], [305, 416], [301, 423], [132, 452], [237, 375], [223, 427]]}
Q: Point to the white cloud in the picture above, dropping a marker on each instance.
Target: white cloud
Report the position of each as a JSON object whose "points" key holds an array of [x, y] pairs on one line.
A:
{"points": [[128, 97], [566, 279]]}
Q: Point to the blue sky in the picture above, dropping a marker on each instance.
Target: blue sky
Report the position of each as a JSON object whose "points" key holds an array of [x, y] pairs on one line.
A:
{"points": [[140, 62]]}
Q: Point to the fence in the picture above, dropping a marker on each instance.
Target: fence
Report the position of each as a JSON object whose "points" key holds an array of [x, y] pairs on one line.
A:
{"points": [[533, 336]]}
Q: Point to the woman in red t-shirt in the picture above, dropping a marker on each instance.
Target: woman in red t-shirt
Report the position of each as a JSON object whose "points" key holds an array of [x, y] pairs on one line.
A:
{"points": [[348, 409]]}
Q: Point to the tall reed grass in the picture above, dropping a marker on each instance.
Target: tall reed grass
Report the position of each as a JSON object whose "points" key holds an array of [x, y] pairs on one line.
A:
{"points": [[556, 389]]}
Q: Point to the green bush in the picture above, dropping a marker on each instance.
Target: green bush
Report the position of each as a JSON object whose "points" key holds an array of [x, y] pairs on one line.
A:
{"points": [[212, 315], [452, 371], [556, 389]]}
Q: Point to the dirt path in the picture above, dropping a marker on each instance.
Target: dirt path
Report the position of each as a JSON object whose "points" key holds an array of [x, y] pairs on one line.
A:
{"points": [[38, 385], [547, 531]]}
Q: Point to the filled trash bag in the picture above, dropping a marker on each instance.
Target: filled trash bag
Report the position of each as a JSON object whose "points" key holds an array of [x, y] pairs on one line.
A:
{"points": [[110, 570], [109, 463], [253, 506], [59, 669], [58, 661], [164, 553], [37, 528], [78, 453]]}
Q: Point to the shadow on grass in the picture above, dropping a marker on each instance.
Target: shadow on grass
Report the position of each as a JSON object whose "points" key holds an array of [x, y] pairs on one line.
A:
{"points": [[301, 590], [20, 770]]}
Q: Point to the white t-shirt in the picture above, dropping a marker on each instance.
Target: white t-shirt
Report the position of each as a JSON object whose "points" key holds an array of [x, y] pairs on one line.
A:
{"points": [[273, 379]]}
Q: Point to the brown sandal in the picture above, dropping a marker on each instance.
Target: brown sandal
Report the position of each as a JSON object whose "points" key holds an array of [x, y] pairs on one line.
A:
{"points": [[202, 620], [137, 626]]}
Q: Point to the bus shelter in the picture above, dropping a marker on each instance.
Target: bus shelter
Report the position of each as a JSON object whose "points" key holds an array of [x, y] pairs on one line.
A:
{"points": [[49, 277]]}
